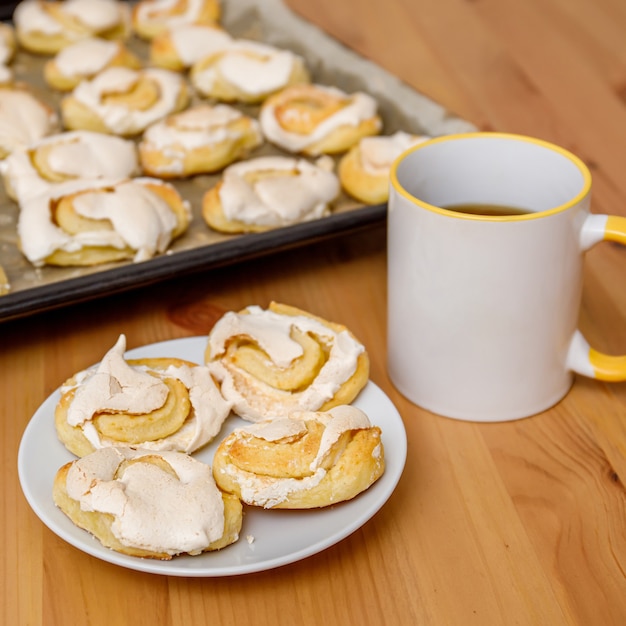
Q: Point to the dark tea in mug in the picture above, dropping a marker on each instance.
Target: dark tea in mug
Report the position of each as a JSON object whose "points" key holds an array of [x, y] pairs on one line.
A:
{"points": [[491, 210]]}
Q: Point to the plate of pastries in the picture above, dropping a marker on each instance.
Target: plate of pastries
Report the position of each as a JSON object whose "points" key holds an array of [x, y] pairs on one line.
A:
{"points": [[255, 446], [136, 131]]}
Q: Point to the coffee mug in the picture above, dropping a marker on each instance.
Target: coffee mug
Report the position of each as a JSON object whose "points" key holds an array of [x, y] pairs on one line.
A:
{"points": [[486, 238]]}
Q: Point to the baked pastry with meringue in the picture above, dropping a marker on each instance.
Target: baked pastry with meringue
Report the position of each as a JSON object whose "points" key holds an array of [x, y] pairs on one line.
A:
{"points": [[150, 18], [318, 119], [152, 403], [148, 504], [178, 48], [309, 459], [269, 192], [200, 140], [364, 170], [24, 118], [122, 101], [269, 362], [48, 26], [66, 156], [84, 59], [89, 222], [247, 71]]}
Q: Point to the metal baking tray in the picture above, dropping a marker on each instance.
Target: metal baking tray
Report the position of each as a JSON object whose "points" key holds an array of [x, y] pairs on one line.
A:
{"points": [[37, 289]]}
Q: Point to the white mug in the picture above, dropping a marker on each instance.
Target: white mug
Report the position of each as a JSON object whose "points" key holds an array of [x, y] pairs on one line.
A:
{"points": [[483, 309]]}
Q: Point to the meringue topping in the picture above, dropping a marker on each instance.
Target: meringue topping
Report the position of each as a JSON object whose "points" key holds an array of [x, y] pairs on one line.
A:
{"points": [[295, 191], [268, 492], [255, 400], [357, 107], [115, 385], [153, 509]]}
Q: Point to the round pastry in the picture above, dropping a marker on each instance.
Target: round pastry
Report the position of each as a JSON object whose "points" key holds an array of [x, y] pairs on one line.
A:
{"points": [[8, 43], [247, 71], [270, 362], [89, 222], [122, 101], [59, 158], [150, 18], [84, 59], [202, 139], [269, 192], [316, 119], [23, 118], [306, 460], [155, 404], [47, 26], [147, 504], [179, 48], [364, 170]]}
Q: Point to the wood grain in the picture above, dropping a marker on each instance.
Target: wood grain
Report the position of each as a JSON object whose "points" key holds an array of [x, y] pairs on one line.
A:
{"points": [[491, 524]]}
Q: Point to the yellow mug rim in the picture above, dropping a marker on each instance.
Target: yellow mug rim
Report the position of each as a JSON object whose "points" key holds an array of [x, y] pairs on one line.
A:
{"points": [[584, 170]]}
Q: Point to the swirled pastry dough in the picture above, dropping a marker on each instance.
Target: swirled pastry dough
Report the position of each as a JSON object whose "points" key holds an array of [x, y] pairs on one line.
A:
{"points": [[23, 119], [202, 139], [47, 26], [179, 48], [152, 17], [270, 362], [247, 71], [157, 404], [88, 222], [84, 59], [148, 504], [53, 160], [269, 192], [122, 101], [318, 119], [364, 170], [307, 460]]}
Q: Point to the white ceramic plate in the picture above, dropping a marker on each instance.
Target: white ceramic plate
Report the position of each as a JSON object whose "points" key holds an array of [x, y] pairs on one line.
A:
{"points": [[268, 538]]}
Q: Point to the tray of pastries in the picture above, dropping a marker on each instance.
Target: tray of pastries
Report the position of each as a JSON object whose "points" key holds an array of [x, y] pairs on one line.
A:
{"points": [[142, 140]]}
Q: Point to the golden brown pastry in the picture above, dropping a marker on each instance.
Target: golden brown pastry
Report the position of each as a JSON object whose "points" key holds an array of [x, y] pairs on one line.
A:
{"points": [[269, 192], [307, 460], [89, 222], [247, 71], [8, 43], [5, 286], [150, 18], [48, 26], [84, 59], [317, 119], [124, 102], [272, 361], [157, 404], [148, 504], [24, 118], [180, 47], [80, 154], [199, 140], [364, 170]]}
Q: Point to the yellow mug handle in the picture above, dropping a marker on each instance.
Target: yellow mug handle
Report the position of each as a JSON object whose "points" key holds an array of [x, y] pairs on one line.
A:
{"points": [[582, 358]]}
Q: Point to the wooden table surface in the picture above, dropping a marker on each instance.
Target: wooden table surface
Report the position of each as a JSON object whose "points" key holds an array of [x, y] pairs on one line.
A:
{"points": [[512, 523]]}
